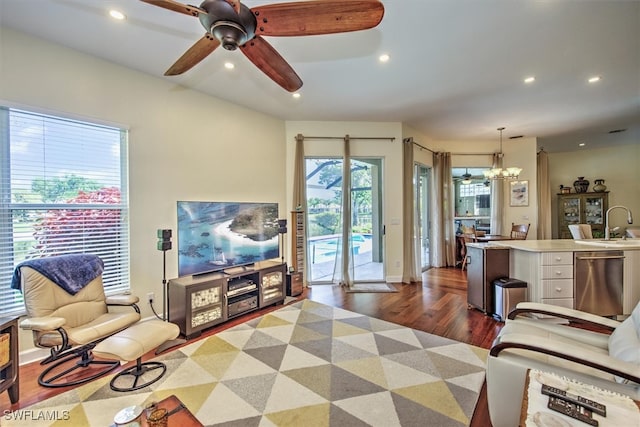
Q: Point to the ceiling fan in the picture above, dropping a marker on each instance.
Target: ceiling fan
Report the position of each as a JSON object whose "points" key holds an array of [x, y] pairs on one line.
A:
{"points": [[233, 25], [465, 178]]}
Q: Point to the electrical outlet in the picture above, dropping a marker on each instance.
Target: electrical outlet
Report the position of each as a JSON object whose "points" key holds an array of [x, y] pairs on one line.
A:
{"points": [[397, 264], [151, 296]]}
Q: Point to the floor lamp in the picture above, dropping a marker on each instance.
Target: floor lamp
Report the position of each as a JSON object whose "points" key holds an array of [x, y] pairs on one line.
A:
{"points": [[164, 245]]}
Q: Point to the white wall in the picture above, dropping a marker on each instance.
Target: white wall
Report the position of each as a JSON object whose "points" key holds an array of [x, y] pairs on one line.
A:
{"points": [[183, 145], [618, 165]]}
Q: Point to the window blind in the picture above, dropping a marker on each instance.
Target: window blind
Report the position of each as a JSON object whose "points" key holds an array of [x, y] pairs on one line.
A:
{"points": [[63, 189]]}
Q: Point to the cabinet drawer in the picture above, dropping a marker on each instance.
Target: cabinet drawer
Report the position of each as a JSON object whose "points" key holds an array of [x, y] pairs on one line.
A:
{"points": [[557, 288], [557, 271], [557, 258]]}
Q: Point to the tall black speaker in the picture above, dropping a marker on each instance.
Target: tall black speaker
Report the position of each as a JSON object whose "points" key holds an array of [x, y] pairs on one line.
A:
{"points": [[164, 239], [282, 230], [164, 245]]}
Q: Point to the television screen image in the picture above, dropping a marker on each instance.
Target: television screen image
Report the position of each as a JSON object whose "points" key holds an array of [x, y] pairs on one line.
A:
{"points": [[217, 235]]}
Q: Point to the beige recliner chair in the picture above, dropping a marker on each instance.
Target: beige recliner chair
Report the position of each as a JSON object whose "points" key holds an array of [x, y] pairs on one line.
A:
{"points": [[72, 324], [608, 359]]}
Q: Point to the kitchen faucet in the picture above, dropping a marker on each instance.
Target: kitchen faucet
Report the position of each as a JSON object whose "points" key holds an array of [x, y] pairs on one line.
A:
{"points": [[607, 234]]}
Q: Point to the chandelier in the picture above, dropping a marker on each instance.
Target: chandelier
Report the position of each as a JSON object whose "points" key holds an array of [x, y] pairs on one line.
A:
{"points": [[502, 173]]}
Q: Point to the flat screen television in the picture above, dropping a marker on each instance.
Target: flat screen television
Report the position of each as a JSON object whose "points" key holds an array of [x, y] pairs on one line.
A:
{"points": [[218, 235]]}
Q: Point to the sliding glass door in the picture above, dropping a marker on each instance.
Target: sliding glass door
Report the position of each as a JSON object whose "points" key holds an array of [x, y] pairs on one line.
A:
{"points": [[324, 195], [422, 214]]}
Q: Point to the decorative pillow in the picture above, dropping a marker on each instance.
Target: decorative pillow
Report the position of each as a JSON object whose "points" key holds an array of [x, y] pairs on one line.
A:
{"points": [[624, 342]]}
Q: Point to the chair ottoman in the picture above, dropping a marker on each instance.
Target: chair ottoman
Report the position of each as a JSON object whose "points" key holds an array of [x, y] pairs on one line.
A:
{"points": [[131, 344]]}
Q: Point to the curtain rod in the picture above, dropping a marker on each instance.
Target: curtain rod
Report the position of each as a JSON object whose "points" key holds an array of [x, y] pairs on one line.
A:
{"points": [[453, 154], [421, 146], [473, 154], [390, 138]]}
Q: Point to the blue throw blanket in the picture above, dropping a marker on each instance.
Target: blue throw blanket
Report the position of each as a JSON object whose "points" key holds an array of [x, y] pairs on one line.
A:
{"points": [[70, 272]]}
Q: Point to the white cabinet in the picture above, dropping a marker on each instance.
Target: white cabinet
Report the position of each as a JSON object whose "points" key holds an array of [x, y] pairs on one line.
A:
{"points": [[557, 278], [549, 275]]}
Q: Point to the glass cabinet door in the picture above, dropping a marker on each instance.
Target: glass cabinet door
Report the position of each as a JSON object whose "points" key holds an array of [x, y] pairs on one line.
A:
{"points": [[571, 210], [593, 210]]}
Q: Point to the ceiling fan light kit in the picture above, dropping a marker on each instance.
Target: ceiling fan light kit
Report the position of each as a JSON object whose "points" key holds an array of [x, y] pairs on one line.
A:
{"points": [[508, 173], [466, 177], [233, 25]]}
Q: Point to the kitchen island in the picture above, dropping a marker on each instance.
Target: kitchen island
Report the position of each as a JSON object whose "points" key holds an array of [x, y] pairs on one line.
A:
{"points": [[548, 267]]}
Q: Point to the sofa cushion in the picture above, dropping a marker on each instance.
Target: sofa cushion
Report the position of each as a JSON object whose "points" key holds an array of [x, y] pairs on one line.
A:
{"points": [[624, 342]]}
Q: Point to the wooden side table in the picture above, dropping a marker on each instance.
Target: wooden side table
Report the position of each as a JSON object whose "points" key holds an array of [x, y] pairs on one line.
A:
{"points": [[9, 371], [181, 418]]}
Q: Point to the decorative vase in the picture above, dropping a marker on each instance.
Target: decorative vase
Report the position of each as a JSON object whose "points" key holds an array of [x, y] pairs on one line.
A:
{"points": [[599, 186], [581, 185]]}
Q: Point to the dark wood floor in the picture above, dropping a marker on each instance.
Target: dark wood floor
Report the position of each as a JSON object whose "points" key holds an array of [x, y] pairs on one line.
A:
{"points": [[437, 306]]}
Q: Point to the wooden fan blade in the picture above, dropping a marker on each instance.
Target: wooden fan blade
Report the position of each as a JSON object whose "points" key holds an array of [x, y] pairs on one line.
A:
{"points": [[196, 53], [309, 18], [267, 59], [177, 7]]}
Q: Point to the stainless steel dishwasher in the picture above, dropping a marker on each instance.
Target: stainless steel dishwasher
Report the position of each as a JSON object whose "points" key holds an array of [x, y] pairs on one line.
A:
{"points": [[598, 282]]}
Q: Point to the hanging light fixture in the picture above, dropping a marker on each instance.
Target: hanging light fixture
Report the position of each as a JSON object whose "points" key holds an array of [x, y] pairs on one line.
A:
{"points": [[466, 177], [502, 173]]}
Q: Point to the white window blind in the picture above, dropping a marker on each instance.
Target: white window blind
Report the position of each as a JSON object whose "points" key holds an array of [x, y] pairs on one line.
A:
{"points": [[63, 189]]}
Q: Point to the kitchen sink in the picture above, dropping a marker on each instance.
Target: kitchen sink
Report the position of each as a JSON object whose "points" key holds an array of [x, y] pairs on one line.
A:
{"points": [[613, 243]]}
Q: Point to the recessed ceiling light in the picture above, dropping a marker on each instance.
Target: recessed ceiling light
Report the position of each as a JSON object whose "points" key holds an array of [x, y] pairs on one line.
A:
{"points": [[594, 79], [383, 58], [296, 95], [116, 14], [530, 79], [229, 65], [582, 144]]}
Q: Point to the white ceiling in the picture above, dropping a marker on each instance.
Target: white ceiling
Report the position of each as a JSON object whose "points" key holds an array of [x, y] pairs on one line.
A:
{"points": [[456, 69]]}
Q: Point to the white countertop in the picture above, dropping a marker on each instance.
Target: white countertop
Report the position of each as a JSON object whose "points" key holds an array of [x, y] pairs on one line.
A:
{"points": [[564, 245]]}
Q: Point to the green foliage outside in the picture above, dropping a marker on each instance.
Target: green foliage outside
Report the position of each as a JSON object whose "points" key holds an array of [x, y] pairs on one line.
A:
{"points": [[58, 190], [324, 218], [45, 232]]}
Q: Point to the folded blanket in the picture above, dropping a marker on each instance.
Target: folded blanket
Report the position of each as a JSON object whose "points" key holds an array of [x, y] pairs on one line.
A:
{"points": [[71, 272]]}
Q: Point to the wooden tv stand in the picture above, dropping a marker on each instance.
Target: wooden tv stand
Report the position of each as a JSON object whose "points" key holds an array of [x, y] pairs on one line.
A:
{"points": [[199, 302]]}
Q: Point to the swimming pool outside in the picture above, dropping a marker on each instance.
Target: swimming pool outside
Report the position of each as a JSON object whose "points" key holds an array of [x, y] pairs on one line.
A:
{"points": [[325, 248]]}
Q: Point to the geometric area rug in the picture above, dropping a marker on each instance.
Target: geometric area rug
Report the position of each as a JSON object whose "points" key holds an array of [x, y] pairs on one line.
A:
{"points": [[305, 364]]}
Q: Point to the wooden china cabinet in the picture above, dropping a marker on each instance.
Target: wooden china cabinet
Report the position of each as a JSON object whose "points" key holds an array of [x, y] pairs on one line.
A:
{"points": [[582, 208]]}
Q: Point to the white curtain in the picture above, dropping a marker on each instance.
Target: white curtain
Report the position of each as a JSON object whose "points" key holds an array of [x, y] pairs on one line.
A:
{"points": [[343, 271], [299, 182], [544, 196], [410, 243], [497, 198], [444, 236]]}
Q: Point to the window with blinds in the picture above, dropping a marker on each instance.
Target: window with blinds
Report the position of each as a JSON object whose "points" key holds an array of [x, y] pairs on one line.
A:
{"points": [[63, 189]]}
